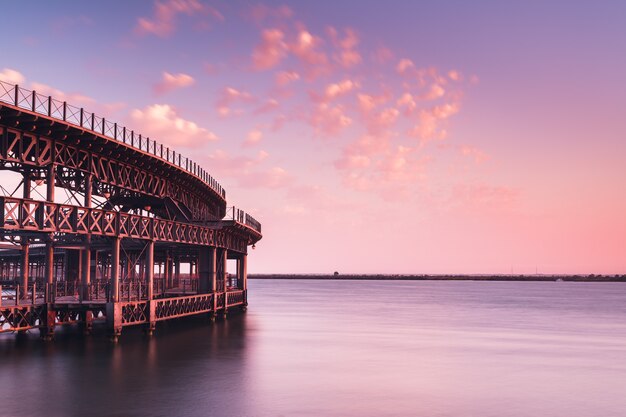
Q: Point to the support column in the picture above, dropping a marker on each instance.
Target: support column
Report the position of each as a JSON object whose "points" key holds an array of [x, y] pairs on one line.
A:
{"points": [[50, 278], [149, 269], [114, 295], [224, 277], [114, 308], [168, 271], [85, 269], [177, 270], [87, 315], [242, 278], [24, 270], [242, 272]]}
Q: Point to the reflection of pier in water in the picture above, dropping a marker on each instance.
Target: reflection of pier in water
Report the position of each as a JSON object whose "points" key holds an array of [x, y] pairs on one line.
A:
{"points": [[144, 234]]}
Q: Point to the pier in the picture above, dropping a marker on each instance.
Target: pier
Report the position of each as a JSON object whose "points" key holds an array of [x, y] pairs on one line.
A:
{"points": [[106, 225]]}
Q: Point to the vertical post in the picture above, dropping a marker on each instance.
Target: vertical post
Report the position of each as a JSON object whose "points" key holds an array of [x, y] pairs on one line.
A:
{"points": [[85, 277], [115, 271], [242, 272], [49, 271], [86, 253], [49, 264], [224, 277], [27, 184], [149, 268], [177, 270], [25, 269]]}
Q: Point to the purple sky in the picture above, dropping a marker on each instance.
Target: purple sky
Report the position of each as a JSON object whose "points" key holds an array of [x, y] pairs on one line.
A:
{"points": [[393, 137]]}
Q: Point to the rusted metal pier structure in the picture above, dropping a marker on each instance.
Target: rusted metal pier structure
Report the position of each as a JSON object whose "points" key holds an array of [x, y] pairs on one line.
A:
{"points": [[100, 224]]}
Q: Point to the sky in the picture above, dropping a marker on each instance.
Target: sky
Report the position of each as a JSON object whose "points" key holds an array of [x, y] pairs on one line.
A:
{"points": [[367, 137]]}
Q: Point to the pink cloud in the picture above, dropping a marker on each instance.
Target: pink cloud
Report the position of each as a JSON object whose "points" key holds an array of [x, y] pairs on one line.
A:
{"points": [[284, 78], [261, 12], [163, 23], [254, 137], [72, 98], [474, 153], [405, 66], [171, 82], [270, 51], [229, 96], [374, 163], [12, 76], [162, 123], [268, 106], [248, 171], [307, 48], [382, 55], [347, 56], [328, 120], [341, 88]]}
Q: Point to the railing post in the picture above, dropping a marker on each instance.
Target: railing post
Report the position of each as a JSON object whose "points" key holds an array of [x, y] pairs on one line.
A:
{"points": [[17, 94], [33, 100], [93, 122], [65, 111], [17, 294], [82, 114], [49, 105]]}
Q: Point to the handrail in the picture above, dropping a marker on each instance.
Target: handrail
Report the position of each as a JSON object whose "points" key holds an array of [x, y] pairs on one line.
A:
{"points": [[26, 99], [240, 216]]}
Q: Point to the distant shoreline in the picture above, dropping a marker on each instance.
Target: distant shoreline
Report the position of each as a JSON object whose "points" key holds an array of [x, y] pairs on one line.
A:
{"points": [[400, 277]]}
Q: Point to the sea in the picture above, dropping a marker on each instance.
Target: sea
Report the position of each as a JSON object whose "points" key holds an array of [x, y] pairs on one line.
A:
{"points": [[345, 348]]}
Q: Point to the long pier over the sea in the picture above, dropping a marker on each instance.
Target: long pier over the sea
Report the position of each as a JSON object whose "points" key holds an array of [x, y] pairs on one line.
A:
{"points": [[108, 225]]}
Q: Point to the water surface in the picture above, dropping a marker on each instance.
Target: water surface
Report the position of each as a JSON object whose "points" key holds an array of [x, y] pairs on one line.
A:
{"points": [[354, 348]]}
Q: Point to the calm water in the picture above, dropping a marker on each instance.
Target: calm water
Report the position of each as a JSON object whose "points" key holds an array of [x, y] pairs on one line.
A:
{"points": [[311, 348]]}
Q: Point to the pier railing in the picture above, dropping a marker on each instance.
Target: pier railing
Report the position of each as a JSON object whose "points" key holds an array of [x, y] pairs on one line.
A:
{"points": [[240, 216], [46, 105]]}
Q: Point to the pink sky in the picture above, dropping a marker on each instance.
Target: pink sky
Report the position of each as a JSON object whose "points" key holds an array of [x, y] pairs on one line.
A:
{"points": [[430, 138]]}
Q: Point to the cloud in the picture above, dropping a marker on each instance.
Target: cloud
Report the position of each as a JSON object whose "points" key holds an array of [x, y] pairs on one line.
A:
{"points": [[374, 163], [474, 153], [162, 123], [347, 56], [261, 12], [270, 51], [286, 77], [171, 82], [328, 120], [341, 88], [229, 96], [269, 105], [163, 22], [254, 137], [307, 48], [429, 121], [71, 98], [248, 171], [405, 66], [12, 76]]}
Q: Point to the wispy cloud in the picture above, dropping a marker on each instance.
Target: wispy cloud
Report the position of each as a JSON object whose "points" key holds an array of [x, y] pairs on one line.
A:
{"points": [[171, 82], [162, 122], [163, 21]]}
